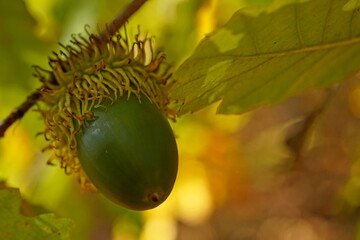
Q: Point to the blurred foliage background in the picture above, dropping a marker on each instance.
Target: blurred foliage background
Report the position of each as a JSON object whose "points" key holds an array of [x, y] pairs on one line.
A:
{"points": [[288, 172]]}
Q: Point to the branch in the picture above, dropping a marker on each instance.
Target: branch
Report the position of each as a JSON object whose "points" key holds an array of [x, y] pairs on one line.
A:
{"points": [[19, 112], [105, 36], [111, 29]]}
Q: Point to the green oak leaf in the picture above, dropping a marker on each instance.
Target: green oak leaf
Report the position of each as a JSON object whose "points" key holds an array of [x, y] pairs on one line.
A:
{"points": [[14, 225], [264, 55]]}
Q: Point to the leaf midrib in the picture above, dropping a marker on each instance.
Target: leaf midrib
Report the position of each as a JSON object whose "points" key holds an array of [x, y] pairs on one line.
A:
{"points": [[289, 52]]}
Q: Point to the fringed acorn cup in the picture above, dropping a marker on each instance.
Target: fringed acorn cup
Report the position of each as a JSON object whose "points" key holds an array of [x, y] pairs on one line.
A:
{"points": [[106, 116]]}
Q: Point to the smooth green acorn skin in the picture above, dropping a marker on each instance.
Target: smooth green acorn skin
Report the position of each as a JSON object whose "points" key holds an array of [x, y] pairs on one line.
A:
{"points": [[129, 153]]}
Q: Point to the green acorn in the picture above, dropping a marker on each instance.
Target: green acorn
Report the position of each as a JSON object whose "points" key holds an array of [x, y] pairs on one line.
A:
{"points": [[105, 119]]}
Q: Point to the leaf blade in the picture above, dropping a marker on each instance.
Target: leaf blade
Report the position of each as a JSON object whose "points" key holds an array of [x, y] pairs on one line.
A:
{"points": [[14, 225], [278, 54]]}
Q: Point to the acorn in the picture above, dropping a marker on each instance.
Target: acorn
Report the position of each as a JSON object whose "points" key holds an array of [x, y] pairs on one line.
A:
{"points": [[106, 118]]}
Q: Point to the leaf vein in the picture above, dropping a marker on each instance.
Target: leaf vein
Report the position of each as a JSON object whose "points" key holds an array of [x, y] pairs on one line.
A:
{"points": [[298, 29], [315, 48], [223, 81], [269, 80], [251, 35], [355, 10], [326, 21], [311, 66]]}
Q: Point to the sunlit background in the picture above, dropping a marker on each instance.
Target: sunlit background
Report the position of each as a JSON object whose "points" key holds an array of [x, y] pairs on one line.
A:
{"points": [[288, 172]]}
